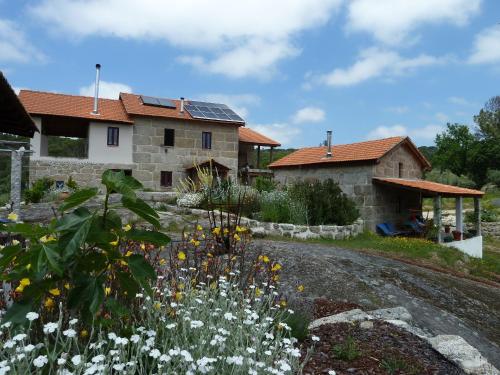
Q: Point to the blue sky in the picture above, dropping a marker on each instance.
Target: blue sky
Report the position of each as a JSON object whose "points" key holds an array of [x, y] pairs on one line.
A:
{"points": [[293, 68]]}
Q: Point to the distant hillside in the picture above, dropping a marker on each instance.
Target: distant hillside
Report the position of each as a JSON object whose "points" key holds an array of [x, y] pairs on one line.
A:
{"points": [[428, 151], [278, 153]]}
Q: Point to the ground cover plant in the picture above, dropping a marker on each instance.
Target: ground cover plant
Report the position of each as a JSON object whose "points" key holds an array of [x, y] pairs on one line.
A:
{"points": [[91, 294]]}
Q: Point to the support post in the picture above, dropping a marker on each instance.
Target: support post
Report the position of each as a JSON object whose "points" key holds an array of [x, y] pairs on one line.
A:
{"points": [[459, 221], [15, 179], [271, 155], [477, 215], [258, 157], [437, 217]]}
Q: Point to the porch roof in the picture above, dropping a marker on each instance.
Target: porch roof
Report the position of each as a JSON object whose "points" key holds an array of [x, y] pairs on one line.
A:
{"points": [[207, 164], [13, 117], [247, 135], [429, 188]]}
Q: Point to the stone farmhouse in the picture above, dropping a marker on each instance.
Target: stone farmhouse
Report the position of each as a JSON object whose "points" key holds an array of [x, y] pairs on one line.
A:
{"points": [[383, 177], [156, 140]]}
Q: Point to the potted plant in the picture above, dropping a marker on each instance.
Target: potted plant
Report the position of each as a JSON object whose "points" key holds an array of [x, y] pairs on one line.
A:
{"points": [[447, 229], [457, 235]]}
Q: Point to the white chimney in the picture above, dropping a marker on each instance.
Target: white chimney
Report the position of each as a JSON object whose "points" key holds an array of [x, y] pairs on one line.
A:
{"points": [[96, 93], [182, 105], [329, 143]]}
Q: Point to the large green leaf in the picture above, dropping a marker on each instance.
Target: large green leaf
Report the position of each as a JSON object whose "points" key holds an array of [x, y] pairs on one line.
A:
{"points": [[127, 283], [17, 312], [142, 209], [53, 258], [116, 307], [32, 231], [75, 239], [7, 254], [78, 198], [74, 219], [117, 182], [156, 238], [140, 267], [88, 292]]}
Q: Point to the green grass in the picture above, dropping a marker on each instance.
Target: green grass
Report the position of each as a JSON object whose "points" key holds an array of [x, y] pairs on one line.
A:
{"points": [[347, 351], [397, 365]]}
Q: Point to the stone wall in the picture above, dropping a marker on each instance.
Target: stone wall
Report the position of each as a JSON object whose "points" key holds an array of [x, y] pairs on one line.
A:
{"points": [[389, 164], [151, 156], [85, 173]]}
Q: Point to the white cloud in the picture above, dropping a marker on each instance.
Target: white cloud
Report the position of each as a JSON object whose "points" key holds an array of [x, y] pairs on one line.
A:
{"points": [[441, 117], [486, 48], [458, 100], [109, 90], [14, 46], [425, 134], [375, 62], [398, 109], [238, 102], [393, 21], [308, 115], [233, 38], [281, 132]]}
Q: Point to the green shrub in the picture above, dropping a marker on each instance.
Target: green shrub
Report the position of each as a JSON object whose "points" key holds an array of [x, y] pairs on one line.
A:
{"points": [[324, 202], [39, 188], [71, 184], [449, 178], [486, 216], [264, 184], [298, 324], [347, 351], [277, 207], [494, 176]]}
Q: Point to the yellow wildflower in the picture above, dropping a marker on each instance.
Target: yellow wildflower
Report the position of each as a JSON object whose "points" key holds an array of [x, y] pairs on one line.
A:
{"points": [[84, 333], [240, 229], [300, 288], [264, 258], [181, 286], [210, 255], [129, 253], [15, 242], [66, 286], [143, 247], [216, 231], [49, 303], [28, 266], [226, 231], [114, 243], [194, 242], [276, 267], [178, 296], [55, 292], [49, 238], [181, 255], [157, 305], [162, 262], [12, 216], [107, 291], [123, 263], [25, 282], [127, 227], [199, 228], [276, 278], [258, 292], [283, 303], [236, 237]]}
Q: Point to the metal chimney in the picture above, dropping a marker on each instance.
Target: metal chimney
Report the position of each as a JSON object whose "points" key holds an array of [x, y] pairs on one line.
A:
{"points": [[96, 93], [329, 143], [182, 104]]}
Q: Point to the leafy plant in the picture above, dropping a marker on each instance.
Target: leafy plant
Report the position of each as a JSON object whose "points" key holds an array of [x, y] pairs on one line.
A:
{"points": [[298, 324], [347, 351], [397, 365], [71, 184], [39, 188], [494, 176], [262, 183], [486, 216], [80, 254]]}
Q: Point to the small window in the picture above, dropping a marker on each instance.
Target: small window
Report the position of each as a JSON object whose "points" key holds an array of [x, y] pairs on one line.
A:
{"points": [[113, 136], [206, 140], [400, 170], [166, 179], [169, 137]]}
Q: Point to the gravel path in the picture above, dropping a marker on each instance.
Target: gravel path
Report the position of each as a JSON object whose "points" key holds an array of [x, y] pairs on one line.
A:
{"points": [[439, 303]]}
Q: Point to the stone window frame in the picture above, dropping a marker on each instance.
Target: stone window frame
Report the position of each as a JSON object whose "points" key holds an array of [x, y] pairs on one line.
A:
{"points": [[206, 140], [113, 136], [169, 134], [166, 178]]}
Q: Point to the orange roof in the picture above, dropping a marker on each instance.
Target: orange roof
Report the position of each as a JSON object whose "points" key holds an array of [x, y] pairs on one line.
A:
{"points": [[134, 106], [429, 187], [46, 103], [247, 135], [369, 151]]}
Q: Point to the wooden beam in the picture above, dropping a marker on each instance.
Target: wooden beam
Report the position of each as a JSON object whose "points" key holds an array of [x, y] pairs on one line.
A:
{"points": [[437, 217], [477, 215]]}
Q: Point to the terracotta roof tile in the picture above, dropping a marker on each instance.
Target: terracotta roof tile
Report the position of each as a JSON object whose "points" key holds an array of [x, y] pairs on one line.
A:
{"points": [[134, 106], [46, 103], [353, 152], [429, 187], [248, 135]]}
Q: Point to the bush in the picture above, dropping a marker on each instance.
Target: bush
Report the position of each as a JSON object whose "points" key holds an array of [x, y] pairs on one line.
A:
{"points": [[39, 188], [277, 207], [325, 202], [449, 178], [264, 184], [488, 216], [494, 177]]}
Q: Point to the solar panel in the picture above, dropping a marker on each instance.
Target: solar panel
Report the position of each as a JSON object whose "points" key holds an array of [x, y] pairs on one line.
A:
{"points": [[212, 111], [158, 102]]}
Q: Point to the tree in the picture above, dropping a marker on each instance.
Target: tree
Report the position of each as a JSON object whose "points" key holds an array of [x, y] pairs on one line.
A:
{"points": [[488, 119], [454, 148]]}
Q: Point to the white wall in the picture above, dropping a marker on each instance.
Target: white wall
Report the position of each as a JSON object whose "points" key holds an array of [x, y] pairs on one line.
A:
{"points": [[100, 152], [471, 246], [38, 143]]}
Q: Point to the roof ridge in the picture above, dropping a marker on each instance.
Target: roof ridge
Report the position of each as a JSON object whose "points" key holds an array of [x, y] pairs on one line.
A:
{"points": [[64, 94]]}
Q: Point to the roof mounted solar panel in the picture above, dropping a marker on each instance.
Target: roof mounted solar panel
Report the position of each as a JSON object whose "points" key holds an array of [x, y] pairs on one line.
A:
{"points": [[212, 111], [157, 102]]}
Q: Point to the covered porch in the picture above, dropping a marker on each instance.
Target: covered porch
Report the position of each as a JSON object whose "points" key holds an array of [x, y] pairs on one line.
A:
{"points": [[470, 243], [250, 163]]}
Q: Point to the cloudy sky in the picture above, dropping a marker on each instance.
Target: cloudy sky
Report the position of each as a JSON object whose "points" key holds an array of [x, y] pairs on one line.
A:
{"points": [[292, 68]]}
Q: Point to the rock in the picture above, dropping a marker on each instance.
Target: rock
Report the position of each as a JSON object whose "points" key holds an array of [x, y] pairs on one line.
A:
{"points": [[457, 350], [367, 324], [392, 313], [344, 317], [404, 325]]}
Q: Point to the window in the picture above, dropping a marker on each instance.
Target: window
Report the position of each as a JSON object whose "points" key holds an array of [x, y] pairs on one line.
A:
{"points": [[166, 179], [169, 137], [400, 170], [206, 140], [113, 135]]}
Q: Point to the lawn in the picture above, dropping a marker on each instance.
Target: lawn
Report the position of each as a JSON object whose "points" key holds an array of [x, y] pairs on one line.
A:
{"points": [[426, 253]]}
